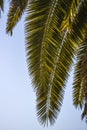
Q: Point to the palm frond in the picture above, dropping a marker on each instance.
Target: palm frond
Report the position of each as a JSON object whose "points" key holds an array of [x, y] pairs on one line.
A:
{"points": [[67, 21], [43, 42], [80, 79], [16, 10], [80, 23], [50, 50], [80, 28]]}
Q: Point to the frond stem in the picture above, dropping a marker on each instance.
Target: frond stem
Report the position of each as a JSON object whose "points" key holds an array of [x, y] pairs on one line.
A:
{"points": [[53, 74]]}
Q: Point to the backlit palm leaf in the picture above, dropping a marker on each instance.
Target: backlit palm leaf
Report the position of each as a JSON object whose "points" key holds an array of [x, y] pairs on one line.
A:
{"points": [[80, 79], [67, 21], [54, 30], [16, 10], [43, 43], [50, 50]]}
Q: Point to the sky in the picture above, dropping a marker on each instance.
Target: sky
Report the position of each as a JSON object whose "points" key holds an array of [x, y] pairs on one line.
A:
{"points": [[17, 98]]}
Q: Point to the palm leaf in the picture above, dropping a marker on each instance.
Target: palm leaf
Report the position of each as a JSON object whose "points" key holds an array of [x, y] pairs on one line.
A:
{"points": [[43, 42], [80, 79], [80, 27], [50, 50], [16, 10], [67, 21]]}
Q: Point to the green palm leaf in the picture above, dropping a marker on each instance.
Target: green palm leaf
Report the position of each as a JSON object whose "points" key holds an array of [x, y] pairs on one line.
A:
{"points": [[43, 42], [80, 79], [54, 30], [50, 51], [16, 10]]}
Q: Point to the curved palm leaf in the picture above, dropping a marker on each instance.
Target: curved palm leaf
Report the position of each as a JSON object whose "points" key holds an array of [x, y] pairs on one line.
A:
{"points": [[50, 50], [54, 29], [80, 79], [43, 42], [16, 10]]}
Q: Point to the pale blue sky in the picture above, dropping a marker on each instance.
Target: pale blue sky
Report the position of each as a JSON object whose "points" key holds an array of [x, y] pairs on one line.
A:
{"points": [[17, 99]]}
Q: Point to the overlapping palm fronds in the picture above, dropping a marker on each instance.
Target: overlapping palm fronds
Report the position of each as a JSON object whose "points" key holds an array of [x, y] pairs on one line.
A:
{"points": [[54, 31], [51, 45], [80, 79]]}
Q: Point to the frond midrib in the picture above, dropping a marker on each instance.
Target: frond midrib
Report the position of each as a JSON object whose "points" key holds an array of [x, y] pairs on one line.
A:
{"points": [[46, 31]]}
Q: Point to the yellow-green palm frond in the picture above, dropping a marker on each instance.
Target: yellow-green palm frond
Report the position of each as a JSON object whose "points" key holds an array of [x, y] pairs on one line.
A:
{"points": [[80, 24], [80, 79], [17, 7], [63, 59], [80, 30], [50, 51], [54, 30], [67, 21], [44, 41]]}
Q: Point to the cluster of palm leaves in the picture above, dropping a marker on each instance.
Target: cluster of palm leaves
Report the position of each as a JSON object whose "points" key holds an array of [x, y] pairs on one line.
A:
{"points": [[55, 33]]}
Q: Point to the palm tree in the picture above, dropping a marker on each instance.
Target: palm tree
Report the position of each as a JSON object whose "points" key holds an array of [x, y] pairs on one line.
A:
{"points": [[55, 33]]}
